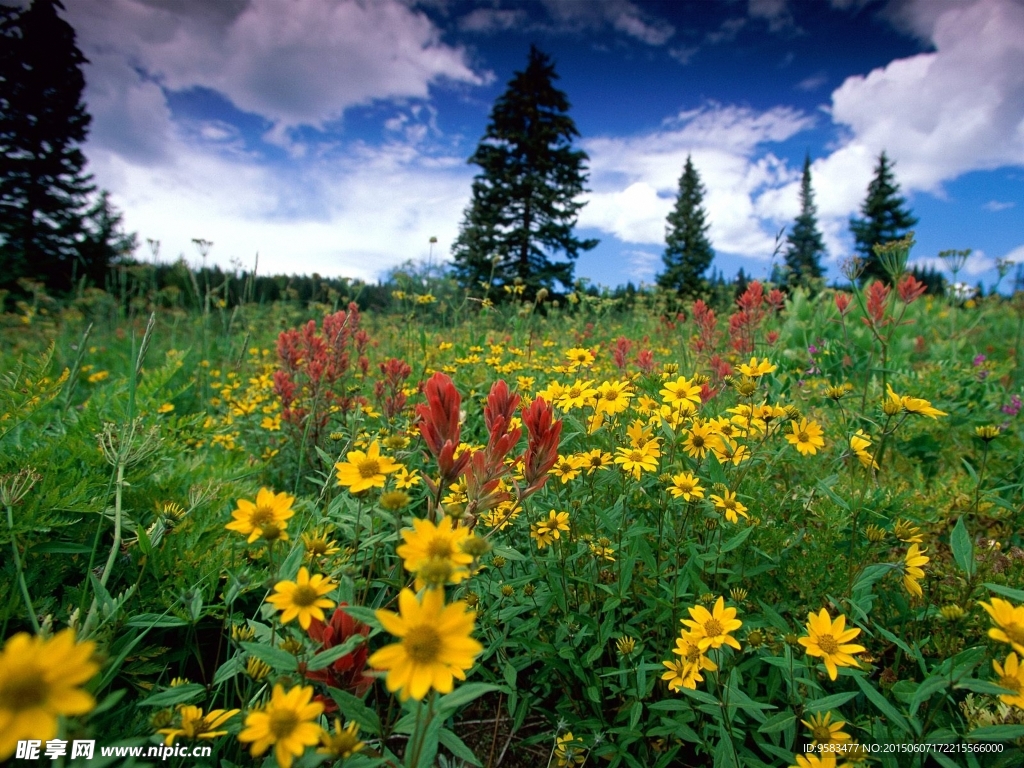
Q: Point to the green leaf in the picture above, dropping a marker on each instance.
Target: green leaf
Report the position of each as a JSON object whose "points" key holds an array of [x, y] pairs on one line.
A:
{"points": [[275, 657], [997, 733], [826, 703], [738, 539], [352, 707], [457, 747], [155, 621], [60, 548], [462, 695], [963, 548], [367, 616], [172, 696], [777, 722], [1010, 592], [328, 657], [983, 686], [926, 690], [229, 669], [883, 705]]}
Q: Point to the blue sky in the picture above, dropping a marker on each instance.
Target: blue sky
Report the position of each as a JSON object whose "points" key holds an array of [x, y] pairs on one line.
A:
{"points": [[331, 136]]}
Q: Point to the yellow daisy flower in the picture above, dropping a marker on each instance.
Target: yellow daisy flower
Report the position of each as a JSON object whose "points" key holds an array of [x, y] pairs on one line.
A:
{"points": [[806, 436], [681, 390], [41, 679], [831, 641], [756, 368], [269, 514], [613, 397], [686, 486], [196, 725], [595, 460], [546, 531], [435, 645], [567, 468], [713, 629], [1011, 675], [569, 751], [579, 357], [816, 760], [824, 731], [1010, 621], [366, 470], [576, 395], [288, 723], [343, 742], [729, 506], [427, 543], [303, 598], [859, 444], [700, 438], [912, 570], [639, 460]]}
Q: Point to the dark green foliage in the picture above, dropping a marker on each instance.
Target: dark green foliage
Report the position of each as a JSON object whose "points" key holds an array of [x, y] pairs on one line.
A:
{"points": [[43, 187], [524, 201], [805, 245], [103, 241], [886, 218], [934, 281], [688, 251]]}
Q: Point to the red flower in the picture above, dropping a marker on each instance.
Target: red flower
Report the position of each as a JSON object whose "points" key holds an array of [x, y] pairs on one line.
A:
{"points": [[439, 425], [347, 672], [542, 444], [877, 303], [910, 289], [843, 303]]}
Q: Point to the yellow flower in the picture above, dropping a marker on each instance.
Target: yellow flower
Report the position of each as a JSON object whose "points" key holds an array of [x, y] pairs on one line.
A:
{"points": [[907, 532], [816, 760], [546, 531], [406, 479], [165, 408], [859, 444], [270, 511], [97, 377], [638, 460], [576, 395], [686, 486], [613, 397], [1010, 621], [435, 645], [579, 357], [302, 598], [729, 505], [366, 470], [681, 390], [806, 436], [41, 679], [567, 468], [916, 405], [196, 725], [699, 439], [595, 460], [569, 751], [341, 743], [318, 544], [756, 368], [831, 641], [288, 723], [824, 731], [713, 629], [1011, 675], [912, 570], [685, 672], [426, 543], [727, 450]]}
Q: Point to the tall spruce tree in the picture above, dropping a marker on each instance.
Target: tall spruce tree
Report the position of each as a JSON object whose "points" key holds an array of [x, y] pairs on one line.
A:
{"points": [[805, 245], [44, 189], [886, 218], [688, 252], [524, 204]]}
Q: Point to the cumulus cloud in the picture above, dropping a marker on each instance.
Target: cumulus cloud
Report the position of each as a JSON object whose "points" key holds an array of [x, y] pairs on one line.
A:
{"points": [[622, 15], [635, 180], [998, 205]]}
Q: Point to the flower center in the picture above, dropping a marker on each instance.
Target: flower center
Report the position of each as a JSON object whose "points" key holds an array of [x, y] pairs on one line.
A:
{"points": [[636, 456], [261, 516], [828, 644], [713, 627], [24, 692], [283, 723], [304, 596], [821, 734], [422, 644], [612, 395], [685, 486], [271, 532], [729, 504], [368, 468], [439, 547], [803, 437], [697, 441]]}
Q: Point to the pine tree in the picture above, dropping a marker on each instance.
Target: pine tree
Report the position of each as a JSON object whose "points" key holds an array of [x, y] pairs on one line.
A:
{"points": [[805, 244], [524, 205], [886, 218], [688, 251], [43, 187], [103, 241]]}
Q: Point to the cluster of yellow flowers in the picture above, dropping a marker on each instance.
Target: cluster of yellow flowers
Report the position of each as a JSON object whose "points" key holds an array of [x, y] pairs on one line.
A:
{"points": [[707, 630]]}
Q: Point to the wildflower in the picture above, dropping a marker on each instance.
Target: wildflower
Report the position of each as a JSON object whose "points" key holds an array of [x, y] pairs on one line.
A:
{"points": [[987, 433], [579, 357], [686, 486], [242, 633], [393, 501], [366, 470], [613, 397], [806, 436], [256, 669], [602, 551], [739, 594], [97, 377], [838, 392], [912, 570], [567, 468], [755, 368], [341, 743], [728, 504], [569, 751], [907, 532], [165, 408], [406, 479], [713, 629], [427, 542], [434, 647], [625, 645], [303, 598], [681, 390], [288, 723], [859, 444], [41, 679], [271, 511], [830, 640], [195, 725], [317, 544], [576, 395], [824, 731], [639, 460], [685, 672], [699, 438], [951, 612], [1011, 676], [816, 760], [596, 459], [915, 405], [348, 672], [547, 531], [1010, 621]]}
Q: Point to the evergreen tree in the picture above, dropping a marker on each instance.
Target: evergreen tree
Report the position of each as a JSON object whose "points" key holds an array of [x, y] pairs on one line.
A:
{"points": [[103, 241], [805, 245], [43, 187], [524, 201], [688, 251], [886, 218]]}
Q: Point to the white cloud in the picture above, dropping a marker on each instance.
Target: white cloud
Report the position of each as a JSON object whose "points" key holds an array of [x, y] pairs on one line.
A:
{"points": [[491, 20], [643, 265], [622, 15], [998, 205]]}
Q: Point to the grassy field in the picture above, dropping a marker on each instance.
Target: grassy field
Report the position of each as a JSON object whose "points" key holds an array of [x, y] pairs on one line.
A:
{"points": [[530, 534]]}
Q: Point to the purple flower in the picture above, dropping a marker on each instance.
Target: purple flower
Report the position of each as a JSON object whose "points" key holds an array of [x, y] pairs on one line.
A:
{"points": [[812, 349], [1014, 407], [978, 360]]}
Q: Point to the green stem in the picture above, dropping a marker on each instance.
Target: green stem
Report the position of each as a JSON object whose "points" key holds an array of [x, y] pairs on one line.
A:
{"points": [[33, 620]]}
